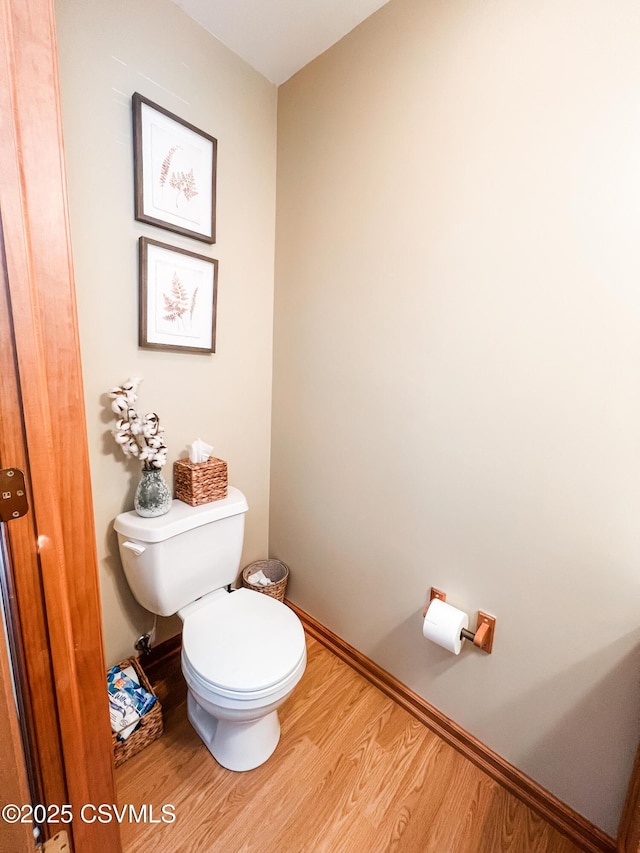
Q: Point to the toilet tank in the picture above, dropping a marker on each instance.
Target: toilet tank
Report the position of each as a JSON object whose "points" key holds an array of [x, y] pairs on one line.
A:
{"points": [[176, 558]]}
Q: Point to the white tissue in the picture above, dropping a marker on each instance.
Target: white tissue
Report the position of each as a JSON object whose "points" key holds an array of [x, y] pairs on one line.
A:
{"points": [[259, 579], [199, 451], [133, 675]]}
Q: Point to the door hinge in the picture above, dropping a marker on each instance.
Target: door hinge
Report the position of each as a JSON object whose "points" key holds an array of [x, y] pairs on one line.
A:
{"points": [[58, 844], [13, 495]]}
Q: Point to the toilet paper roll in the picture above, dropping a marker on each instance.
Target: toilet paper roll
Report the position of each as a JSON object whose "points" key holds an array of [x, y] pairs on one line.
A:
{"points": [[443, 625]]}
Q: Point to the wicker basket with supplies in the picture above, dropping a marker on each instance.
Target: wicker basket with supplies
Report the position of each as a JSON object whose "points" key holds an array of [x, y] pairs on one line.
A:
{"points": [[149, 726]]}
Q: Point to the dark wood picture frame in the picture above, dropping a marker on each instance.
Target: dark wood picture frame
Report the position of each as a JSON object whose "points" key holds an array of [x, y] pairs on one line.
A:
{"points": [[178, 298], [174, 172]]}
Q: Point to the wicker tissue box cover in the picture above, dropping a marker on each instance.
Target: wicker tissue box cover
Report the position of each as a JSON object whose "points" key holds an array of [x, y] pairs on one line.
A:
{"points": [[198, 483]]}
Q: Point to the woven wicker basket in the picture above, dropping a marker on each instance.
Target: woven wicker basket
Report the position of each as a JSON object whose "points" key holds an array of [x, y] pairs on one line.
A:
{"points": [[198, 483], [150, 727], [275, 570]]}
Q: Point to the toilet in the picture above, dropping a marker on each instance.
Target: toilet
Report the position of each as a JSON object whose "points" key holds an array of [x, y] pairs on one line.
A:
{"points": [[243, 652]]}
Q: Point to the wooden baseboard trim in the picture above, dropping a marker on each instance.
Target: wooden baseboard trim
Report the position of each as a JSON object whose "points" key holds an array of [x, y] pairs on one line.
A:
{"points": [[582, 832], [156, 657], [629, 831]]}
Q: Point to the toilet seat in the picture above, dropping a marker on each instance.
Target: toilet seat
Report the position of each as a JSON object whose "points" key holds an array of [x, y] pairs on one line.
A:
{"points": [[243, 645]]}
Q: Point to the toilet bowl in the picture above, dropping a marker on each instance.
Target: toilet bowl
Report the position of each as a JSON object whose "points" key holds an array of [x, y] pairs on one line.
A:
{"points": [[243, 652], [242, 655]]}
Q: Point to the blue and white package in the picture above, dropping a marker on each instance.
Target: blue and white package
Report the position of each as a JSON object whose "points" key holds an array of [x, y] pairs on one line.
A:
{"points": [[128, 700]]}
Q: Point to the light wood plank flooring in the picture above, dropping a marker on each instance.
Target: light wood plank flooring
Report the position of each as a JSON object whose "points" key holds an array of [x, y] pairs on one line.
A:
{"points": [[353, 773]]}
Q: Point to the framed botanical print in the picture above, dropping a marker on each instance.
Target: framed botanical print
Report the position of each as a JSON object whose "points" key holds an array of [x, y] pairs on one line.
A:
{"points": [[174, 172], [178, 297]]}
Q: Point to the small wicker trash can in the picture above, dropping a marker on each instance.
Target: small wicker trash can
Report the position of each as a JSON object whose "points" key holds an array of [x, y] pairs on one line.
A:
{"points": [[275, 570]]}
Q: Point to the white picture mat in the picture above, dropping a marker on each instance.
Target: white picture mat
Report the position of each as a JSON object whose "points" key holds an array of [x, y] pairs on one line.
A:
{"points": [[177, 162], [180, 299]]}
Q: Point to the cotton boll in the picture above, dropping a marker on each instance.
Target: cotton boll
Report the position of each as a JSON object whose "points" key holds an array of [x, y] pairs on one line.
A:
{"points": [[138, 437], [119, 406], [161, 458], [132, 383], [151, 424], [130, 388]]}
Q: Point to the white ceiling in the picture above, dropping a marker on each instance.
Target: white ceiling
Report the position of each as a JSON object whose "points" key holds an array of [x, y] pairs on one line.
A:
{"points": [[279, 37]]}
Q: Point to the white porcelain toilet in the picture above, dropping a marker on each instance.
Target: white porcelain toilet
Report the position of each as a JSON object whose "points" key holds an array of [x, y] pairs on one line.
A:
{"points": [[242, 652]]}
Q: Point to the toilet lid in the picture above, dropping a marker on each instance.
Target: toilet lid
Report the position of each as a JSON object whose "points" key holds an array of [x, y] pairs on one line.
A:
{"points": [[243, 641]]}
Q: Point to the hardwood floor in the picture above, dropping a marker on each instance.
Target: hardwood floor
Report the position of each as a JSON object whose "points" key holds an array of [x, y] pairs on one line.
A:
{"points": [[353, 773]]}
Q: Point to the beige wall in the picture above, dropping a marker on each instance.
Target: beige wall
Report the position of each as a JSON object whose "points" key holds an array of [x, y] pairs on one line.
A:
{"points": [[107, 52], [457, 347]]}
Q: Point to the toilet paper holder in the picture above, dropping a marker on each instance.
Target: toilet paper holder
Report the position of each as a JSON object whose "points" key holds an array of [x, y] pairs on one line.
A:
{"points": [[482, 637]]}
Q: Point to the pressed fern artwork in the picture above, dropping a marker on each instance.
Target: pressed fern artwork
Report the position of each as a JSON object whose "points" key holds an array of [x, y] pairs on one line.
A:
{"points": [[183, 182], [178, 306], [178, 295], [175, 172], [175, 302], [166, 165], [185, 185], [192, 307]]}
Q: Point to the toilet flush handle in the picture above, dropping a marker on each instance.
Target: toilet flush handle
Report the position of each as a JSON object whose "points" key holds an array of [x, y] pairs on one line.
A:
{"points": [[135, 547]]}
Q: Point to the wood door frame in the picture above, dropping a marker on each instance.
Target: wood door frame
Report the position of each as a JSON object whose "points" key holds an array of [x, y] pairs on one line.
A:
{"points": [[43, 316], [22, 584], [15, 837]]}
